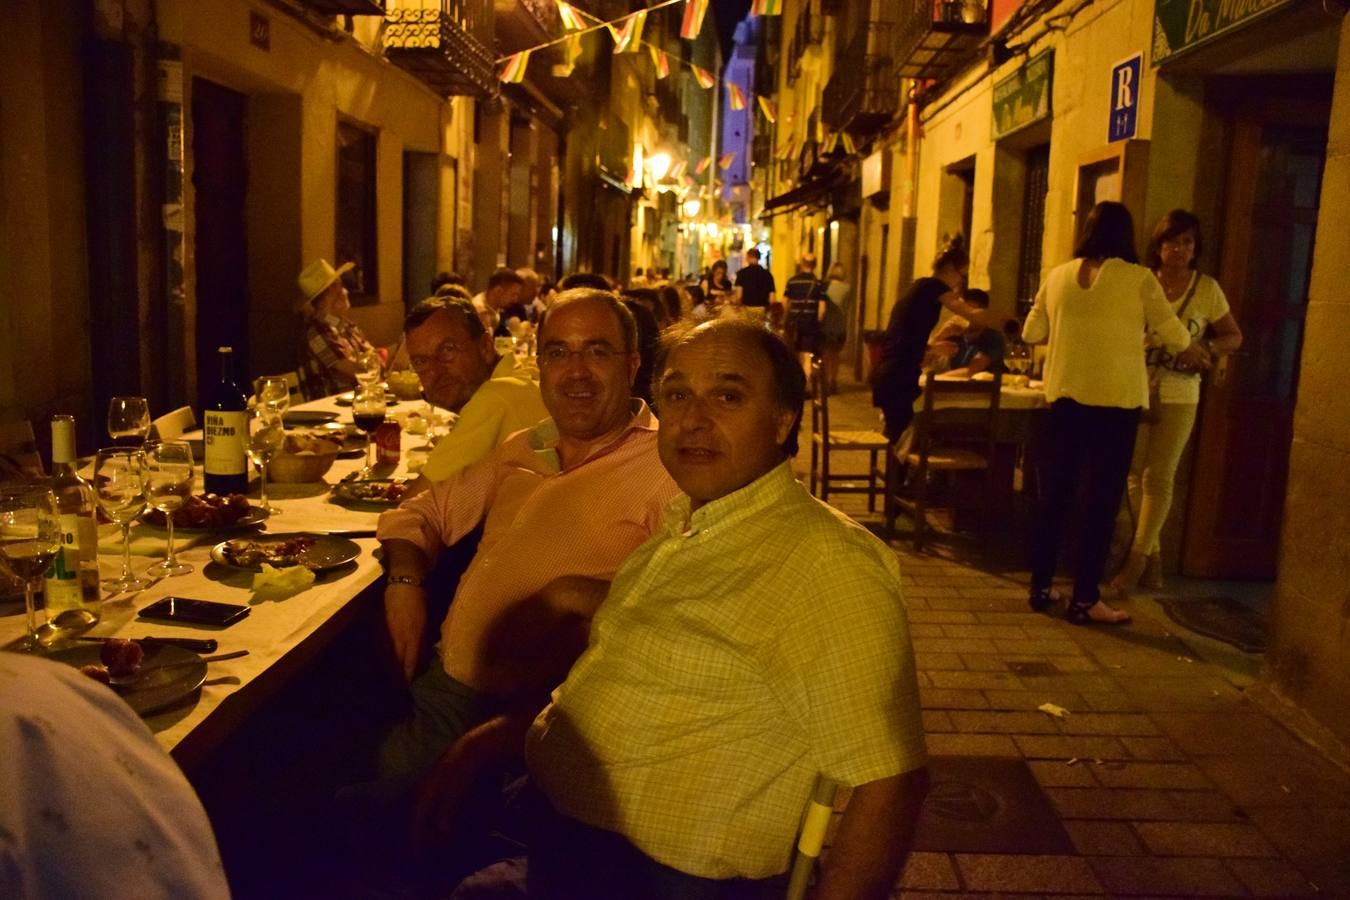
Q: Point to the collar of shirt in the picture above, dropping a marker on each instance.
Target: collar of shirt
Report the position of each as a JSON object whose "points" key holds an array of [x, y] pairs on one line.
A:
{"points": [[716, 515], [543, 438]]}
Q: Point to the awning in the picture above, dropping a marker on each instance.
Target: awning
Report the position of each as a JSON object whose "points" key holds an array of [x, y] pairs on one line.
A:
{"points": [[815, 192]]}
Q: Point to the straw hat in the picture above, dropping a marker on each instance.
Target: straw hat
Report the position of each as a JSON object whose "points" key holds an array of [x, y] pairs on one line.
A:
{"points": [[317, 276]]}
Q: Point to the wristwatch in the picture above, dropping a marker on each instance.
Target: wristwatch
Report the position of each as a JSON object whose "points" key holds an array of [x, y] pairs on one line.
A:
{"points": [[414, 580]]}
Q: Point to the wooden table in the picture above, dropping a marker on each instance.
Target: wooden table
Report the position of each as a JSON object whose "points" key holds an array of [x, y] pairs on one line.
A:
{"points": [[282, 636]]}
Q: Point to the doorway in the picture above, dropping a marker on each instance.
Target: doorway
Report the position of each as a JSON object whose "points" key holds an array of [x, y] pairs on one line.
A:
{"points": [[220, 183], [1269, 218], [421, 206]]}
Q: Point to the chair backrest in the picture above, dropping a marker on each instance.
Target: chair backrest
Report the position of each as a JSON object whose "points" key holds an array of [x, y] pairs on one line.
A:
{"points": [[19, 457], [170, 426], [820, 404], [961, 411]]}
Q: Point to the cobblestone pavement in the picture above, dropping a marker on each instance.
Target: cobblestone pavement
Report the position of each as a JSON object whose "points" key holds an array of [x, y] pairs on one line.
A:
{"points": [[1168, 780]]}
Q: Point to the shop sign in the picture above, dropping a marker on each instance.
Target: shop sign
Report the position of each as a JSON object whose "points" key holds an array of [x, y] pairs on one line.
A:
{"points": [[1024, 96], [1183, 24], [1124, 99]]}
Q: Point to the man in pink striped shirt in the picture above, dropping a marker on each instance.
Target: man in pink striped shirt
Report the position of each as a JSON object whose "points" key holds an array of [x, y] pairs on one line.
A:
{"points": [[562, 505]]}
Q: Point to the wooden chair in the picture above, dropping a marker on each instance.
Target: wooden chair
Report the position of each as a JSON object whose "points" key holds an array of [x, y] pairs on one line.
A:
{"points": [[954, 432], [824, 441], [19, 457], [811, 836], [170, 426]]}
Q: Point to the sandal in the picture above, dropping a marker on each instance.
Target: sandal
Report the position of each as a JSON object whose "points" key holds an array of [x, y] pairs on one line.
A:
{"points": [[1096, 612], [1040, 599]]}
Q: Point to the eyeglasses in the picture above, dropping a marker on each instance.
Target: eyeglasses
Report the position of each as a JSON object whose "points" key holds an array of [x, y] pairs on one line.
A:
{"points": [[591, 354], [446, 353]]}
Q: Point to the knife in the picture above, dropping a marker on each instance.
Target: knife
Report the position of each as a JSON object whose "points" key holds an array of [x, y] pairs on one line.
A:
{"points": [[196, 645]]}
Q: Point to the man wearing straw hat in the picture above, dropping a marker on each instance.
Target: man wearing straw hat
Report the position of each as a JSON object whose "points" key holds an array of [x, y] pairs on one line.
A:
{"points": [[333, 344]]}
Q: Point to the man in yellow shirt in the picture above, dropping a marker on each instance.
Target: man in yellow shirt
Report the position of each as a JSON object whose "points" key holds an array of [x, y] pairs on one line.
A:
{"points": [[460, 370]]}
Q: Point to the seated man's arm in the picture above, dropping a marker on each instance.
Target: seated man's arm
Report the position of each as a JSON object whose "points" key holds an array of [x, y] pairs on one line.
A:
{"points": [[405, 605], [979, 363], [475, 435], [532, 648], [872, 843]]}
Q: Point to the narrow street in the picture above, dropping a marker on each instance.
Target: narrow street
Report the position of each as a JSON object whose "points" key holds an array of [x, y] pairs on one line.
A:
{"points": [[1163, 778]]}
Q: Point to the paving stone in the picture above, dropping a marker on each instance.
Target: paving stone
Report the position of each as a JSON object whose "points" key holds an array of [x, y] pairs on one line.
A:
{"points": [[936, 720], [1277, 780], [1058, 773], [1176, 877], [1017, 594], [1054, 874], [929, 872], [1271, 878], [939, 661], [1041, 647], [1156, 749], [1103, 803], [1076, 682], [1205, 806], [960, 630], [975, 680], [1037, 746], [1185, 694], [1308, 837], [1203, 839], [1030, 699], [940, 616], [1023, 618], [985, 662], [1108, 723], [925, 630], [945, 698], [966, 604], [979, 722], [1104, 838], [1226, 733], [1174, 776], [951, 645], [971, 745], [1107, 701]]}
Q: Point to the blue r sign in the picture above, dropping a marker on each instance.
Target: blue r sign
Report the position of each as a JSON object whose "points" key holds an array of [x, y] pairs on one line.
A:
{"points": [[1124, 99]]}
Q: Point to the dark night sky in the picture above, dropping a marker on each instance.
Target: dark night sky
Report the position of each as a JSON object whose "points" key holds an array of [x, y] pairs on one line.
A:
{"points": [[728, 14]]}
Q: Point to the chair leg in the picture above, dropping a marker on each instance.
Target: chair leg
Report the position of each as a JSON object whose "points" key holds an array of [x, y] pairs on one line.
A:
{"points": [[872, 482], [920, 502], [825, 474], [815, 452], [888, 503]]}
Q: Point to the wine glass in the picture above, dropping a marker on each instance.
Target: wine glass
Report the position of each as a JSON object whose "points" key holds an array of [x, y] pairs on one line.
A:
{"points": [[120, 488], [168, 483], [128, 420], [368, 411], [369, 368], [274, 393], [265, 435], [30, 535]]}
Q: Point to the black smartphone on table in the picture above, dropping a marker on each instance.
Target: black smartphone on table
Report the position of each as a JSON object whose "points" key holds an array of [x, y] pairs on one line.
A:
{"points": [[194, 612]]}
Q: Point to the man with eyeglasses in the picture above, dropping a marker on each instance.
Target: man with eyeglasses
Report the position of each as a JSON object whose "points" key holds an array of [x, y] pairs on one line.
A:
{"points": [[562, 504], [460, 370]]}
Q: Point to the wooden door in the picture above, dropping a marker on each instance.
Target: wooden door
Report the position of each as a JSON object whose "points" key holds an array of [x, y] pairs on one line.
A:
{"points": [[220, 181], [1246, 417]]}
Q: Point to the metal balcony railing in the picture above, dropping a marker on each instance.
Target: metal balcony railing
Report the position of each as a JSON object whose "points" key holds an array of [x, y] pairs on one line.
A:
{"points": [[347, 7], [445, 43], [936, 36], [864, 92]]}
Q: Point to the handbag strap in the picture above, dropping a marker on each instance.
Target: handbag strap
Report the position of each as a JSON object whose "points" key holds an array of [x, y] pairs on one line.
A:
{"points": [[1190, 292]]}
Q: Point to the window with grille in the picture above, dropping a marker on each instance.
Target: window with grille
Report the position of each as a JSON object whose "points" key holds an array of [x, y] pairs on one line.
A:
{"points": [[1033, 227]]}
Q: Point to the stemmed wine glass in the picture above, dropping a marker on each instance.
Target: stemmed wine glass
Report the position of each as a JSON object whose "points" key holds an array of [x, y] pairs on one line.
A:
{"points": [[168, 483], [128, 420], [119, 486], [368, 411], [370, 368], [265, 435], [274, 394], [30, 535]]}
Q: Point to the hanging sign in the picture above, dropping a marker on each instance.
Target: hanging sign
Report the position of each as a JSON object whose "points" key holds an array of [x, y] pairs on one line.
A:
{"points": [[1182, 24], [1124, 99], [1024, 96]]}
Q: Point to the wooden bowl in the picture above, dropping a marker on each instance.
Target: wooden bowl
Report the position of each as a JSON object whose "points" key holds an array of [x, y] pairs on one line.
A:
{"points": [[308, 465]]}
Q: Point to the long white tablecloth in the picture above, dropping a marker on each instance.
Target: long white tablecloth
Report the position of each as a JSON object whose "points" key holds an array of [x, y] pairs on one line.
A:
{"points": [[274, 628]]}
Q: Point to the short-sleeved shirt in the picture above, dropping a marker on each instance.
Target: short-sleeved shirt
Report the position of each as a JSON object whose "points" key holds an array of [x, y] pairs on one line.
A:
{"points": [[327, 341], [742, 650], [540, 522], [756, 284], [895, 383], [803, 294], [1207, 306], [502, 405], [988, 341]]}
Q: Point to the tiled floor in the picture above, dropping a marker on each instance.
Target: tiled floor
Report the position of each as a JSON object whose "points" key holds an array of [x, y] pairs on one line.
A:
{"points": [[1167, 779]]}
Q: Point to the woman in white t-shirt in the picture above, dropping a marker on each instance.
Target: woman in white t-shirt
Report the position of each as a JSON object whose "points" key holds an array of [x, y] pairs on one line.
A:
{"points": [[1093, 311], [1199, 302]]}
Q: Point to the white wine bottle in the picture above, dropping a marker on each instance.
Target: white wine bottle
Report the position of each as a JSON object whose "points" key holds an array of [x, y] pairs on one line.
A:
{"points": [[226, 416], [70, 589]]}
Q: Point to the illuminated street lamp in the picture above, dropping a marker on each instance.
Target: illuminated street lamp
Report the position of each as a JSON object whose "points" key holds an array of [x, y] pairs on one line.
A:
{"points": [[692, 207], [659, 165]]}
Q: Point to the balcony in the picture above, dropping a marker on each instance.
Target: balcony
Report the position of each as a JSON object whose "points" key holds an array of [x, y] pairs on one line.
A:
{"points": [[864, 93], [444, 43], [937, 36], [346, 7]]}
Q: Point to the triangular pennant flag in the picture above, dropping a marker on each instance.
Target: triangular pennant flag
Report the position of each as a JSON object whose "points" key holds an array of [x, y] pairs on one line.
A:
{"points": [[677, 170], [571, 51], [628, 36], [769, 108], [692, 24], [703, 77], [737, 95], [687, 181], [571, 20], [830, 144], [727, 159], [661, 61], [514, 70], [703, 165], [766, 8]]}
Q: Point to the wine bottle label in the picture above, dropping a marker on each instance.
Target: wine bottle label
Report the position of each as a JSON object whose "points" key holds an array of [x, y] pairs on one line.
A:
{"points": [[79, 536], [226, 439]]}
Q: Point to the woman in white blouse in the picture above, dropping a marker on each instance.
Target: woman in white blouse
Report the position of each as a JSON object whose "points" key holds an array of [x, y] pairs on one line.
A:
{"points": [[1094, 312], [1200, 304]]}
